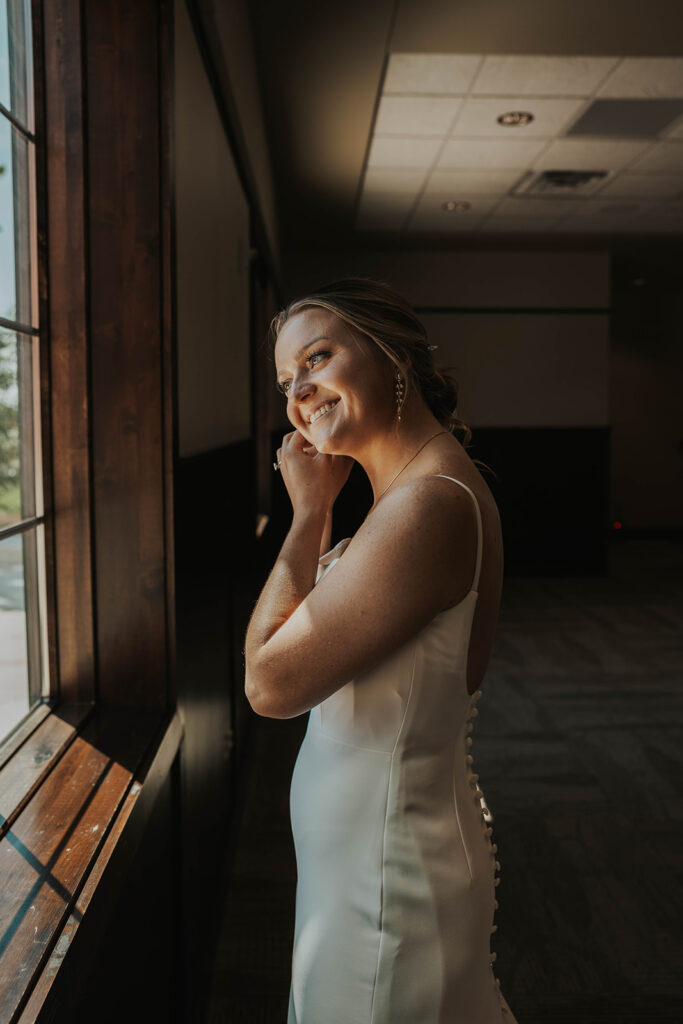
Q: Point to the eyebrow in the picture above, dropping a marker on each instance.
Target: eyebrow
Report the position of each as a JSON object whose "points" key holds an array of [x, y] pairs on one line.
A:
{"points": [[297, 357]]}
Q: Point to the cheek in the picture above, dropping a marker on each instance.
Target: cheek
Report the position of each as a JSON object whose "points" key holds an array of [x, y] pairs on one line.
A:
{"points": [[296, 422]]}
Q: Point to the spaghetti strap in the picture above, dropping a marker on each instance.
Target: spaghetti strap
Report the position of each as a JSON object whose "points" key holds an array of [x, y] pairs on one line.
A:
{"points": [[480, 528]]}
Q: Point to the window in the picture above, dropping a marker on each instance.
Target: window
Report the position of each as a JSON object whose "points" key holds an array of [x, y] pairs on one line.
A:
{"points": [[23, 635]]}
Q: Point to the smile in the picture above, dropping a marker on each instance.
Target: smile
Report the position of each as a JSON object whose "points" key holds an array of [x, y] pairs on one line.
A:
{"points": [[321, 410]]}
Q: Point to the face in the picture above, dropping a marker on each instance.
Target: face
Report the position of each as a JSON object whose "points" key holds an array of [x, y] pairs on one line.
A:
{"points": [[340, 379]]}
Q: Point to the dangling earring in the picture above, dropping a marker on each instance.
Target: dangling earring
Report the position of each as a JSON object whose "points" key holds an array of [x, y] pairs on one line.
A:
{"points": [[400, 389]]}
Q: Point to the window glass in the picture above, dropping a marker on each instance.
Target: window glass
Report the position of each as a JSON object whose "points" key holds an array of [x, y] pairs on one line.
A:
{"points": [[15, 225], [16, 63], [4, 57], [17, 481], [23, 635], [14, 680]]}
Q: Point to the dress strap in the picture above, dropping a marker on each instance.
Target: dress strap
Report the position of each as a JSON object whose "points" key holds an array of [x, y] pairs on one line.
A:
{"points": [[480, 528], [334, 552]]}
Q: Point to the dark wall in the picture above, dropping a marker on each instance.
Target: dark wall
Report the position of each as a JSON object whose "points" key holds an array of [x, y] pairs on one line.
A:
{"points": [[552, 491], [215, 550], [646, 377]]}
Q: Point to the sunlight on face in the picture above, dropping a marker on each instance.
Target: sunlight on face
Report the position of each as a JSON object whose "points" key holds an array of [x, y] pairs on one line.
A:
{"points": [[338, 385]]}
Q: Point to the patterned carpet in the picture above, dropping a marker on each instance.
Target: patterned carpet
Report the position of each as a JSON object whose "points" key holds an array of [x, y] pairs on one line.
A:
{"points": [[579, 749]]}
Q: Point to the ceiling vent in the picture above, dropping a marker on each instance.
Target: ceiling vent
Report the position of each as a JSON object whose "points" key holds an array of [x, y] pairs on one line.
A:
{"points": [[551, 184], [643, 119]]}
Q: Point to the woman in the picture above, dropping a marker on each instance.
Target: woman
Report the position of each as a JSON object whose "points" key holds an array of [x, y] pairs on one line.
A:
{"points": [[385, 640]]}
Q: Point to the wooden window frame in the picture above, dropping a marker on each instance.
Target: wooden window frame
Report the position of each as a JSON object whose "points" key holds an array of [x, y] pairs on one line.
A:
{"points": [[84, 768]]}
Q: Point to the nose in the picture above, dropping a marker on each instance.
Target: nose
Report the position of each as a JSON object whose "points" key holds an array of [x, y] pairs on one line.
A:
{"points": [[301, 389]]}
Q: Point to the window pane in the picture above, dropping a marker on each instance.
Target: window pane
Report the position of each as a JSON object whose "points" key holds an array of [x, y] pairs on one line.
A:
{"points": [[17, 479], [4, 57], [14, 689], [15, 225], [23, 644], [16, 65]]}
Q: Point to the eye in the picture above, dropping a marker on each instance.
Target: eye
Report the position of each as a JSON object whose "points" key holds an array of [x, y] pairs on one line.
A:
{"points": [[283, 385], [318, 352]]}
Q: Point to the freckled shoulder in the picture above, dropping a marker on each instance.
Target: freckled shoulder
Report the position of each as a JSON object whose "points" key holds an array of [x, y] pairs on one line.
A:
{"points": [[428, 518]]}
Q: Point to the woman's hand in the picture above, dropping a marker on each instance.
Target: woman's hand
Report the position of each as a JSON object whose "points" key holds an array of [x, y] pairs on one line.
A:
{"points": [[312, 478]]}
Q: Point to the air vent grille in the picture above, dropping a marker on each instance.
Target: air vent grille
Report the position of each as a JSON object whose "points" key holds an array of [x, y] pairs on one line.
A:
{"points": [[559, 183]]}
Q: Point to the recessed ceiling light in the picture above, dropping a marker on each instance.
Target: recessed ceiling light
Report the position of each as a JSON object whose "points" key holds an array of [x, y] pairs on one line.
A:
{"points": [[455, 206], [515, 117]]}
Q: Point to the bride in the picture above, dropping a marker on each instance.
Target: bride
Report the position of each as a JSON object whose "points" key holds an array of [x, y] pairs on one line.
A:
{"points": [[384, 640]]}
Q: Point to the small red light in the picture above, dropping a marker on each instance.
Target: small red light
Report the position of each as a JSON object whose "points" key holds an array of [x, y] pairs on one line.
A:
{"points": [[616, 524]]}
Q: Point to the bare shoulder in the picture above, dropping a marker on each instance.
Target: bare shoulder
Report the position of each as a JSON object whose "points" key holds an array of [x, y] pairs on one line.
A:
{"points": [[428, 502], [422, 533]]}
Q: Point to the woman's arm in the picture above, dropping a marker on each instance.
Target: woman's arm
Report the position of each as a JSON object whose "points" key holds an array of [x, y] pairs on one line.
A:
{"points": [[291, 579], [413, 557], [313, 481]]}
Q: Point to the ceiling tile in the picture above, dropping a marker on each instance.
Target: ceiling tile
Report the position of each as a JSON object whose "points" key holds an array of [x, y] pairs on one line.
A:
{"points": [[664, 156], [660, 219], [431, 204], [430, 72], [592, 209], [393, 152], [463, 184], [429, 214], [637, 118], [416, 115], [495, 224], [542, 76], [479, 116], [535, 208], [646, 76], [384, 180], [659, 186], [501, 153], [676, 132], [412, 160], [591, 226], [435, 225], [590, 154]]}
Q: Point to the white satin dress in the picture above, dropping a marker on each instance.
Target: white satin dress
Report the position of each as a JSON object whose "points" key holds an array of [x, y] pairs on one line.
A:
{"points": [[396, 867]]}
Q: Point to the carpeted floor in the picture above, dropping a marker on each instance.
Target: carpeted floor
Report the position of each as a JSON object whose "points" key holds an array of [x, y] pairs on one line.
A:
{"points": [[579, 749]]}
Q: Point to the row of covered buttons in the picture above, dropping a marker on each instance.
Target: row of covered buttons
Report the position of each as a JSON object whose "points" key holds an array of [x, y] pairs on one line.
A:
{"points": [[487, 817]]}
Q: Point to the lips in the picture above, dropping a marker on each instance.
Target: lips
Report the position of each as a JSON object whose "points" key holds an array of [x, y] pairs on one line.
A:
{"points": [[323, 405]]}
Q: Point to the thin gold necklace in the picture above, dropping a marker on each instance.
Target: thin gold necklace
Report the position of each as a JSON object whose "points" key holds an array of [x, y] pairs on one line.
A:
{"points": [[408, 463]]}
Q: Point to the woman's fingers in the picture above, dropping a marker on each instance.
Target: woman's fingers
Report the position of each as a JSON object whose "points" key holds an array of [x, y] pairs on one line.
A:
{"points": [[296, 441]]}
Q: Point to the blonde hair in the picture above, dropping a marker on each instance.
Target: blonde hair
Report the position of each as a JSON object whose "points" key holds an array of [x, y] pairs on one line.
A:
{"points": [[378, 312]]}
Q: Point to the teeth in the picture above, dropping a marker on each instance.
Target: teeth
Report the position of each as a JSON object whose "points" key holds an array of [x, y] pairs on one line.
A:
{"points": [[323, 409]]}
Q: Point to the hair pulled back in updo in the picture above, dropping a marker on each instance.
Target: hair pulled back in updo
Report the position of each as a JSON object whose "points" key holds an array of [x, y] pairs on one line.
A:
{"points": [[381, 314]]}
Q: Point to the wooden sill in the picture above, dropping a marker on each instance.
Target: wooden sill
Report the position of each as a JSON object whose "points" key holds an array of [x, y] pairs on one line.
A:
{"points": [[71, 781]]}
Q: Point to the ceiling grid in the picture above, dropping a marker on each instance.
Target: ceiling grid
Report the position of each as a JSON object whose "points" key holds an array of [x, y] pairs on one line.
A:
{"points": [[439, 161]]}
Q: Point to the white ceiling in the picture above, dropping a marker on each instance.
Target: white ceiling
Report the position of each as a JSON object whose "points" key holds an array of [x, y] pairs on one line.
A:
{"points": [[436, 139]]}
